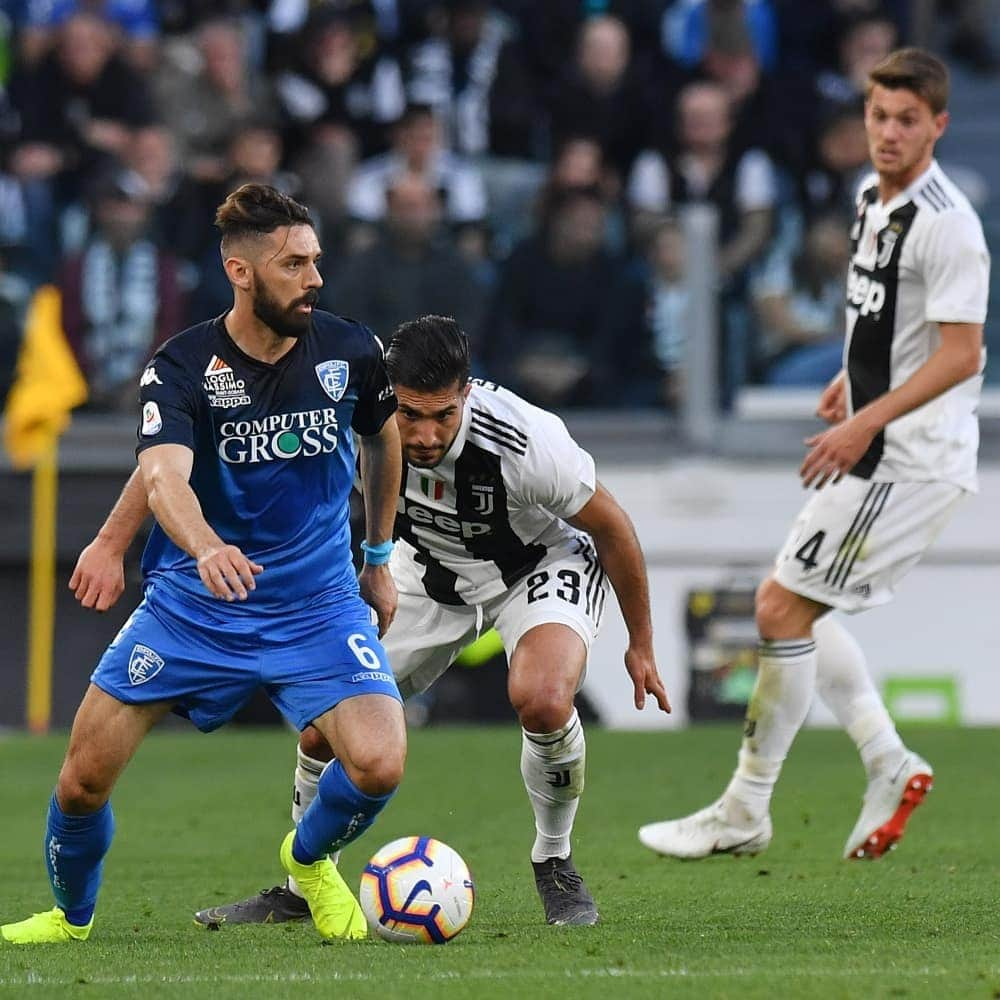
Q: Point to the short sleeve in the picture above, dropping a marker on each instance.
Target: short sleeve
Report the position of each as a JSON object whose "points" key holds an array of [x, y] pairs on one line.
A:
{"points": [[169, 405], [557, 474], [755, 183], [648, 187], [376, 399], [956, 268]]}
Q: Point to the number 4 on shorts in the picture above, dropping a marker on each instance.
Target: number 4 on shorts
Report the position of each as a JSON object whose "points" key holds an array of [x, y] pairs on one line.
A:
{"points": [[808, 551]]}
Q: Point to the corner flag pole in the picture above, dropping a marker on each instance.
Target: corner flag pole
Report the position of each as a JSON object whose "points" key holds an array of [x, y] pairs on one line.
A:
{"points": [[42, 591]]}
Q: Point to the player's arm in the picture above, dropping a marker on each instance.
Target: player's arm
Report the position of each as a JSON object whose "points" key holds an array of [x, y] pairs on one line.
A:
{"points": [[99, 576], [832, 406], [621, 556], [224, 569], [381, 468], [834, 452]]}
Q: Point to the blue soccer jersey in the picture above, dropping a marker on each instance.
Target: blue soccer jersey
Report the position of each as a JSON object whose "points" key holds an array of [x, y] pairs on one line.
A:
{"points": [[274, 456]]}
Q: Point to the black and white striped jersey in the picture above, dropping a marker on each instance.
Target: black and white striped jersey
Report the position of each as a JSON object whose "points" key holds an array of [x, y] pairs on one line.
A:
{"points": [[489, 512], [918, 260]]}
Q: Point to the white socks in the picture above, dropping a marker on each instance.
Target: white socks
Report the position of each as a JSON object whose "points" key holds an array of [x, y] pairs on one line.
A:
{"points": [[552, 765], [843, 682], [307, 775], [778, 707]]}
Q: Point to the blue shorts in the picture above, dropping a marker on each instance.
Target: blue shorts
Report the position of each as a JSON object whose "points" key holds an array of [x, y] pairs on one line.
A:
{"points": [[208, 666]]}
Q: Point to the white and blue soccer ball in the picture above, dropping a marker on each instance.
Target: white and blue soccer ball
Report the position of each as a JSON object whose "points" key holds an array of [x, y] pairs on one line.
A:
{"points": [[417, 890]]}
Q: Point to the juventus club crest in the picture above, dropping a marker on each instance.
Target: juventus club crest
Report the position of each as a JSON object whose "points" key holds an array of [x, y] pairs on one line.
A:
{"points": [[333, 376], [482, 499]]}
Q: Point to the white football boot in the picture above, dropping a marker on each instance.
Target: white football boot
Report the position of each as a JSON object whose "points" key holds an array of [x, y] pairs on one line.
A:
{"points": [[889, 799], [711, 830]]}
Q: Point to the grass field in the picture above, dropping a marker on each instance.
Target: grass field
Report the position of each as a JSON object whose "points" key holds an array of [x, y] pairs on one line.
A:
{"points": [[200, 819]]}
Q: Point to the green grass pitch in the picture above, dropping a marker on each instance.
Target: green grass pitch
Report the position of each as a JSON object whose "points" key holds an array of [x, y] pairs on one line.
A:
{"points": [[200, 819]]}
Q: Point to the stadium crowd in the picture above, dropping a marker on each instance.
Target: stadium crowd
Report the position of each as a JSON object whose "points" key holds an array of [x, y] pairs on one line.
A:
{"points": [[517, 164]]}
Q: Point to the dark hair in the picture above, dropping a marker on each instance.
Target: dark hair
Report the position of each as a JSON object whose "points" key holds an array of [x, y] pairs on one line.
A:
{"points": [[915, 70], [254, 210], [428, 354]]}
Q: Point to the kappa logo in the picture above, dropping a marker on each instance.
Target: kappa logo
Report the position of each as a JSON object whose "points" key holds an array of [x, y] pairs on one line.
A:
{"points": [[333, 376], [143, 665], [149, 376]]}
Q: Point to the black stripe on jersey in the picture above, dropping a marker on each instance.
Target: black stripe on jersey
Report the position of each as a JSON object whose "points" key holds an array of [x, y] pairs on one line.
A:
{"points": [[496, 436], [477, 467], [592, 572], [932, 198], [935, 185], [845, 542], [869, 357], [439, 582], [499, 424], [883, 497]]}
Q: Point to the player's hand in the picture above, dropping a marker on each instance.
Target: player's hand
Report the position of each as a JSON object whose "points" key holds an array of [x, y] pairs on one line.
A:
{"points": [[98, 578], [378, 590], [832, 405], [835, 452], [227, 573], [646, 679]]}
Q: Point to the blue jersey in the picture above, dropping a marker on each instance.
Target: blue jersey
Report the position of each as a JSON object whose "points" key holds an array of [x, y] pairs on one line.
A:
{"points": [[274, 456]]}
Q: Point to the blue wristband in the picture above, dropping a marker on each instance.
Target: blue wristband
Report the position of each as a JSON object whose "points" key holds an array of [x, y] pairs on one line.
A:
{"points": [[377, 555]]}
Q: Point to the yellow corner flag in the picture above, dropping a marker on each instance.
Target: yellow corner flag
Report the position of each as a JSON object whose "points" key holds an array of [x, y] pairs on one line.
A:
{"points": [[47, 385]]}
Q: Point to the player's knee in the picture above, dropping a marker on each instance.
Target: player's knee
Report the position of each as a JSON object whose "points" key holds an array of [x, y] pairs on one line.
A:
{"points": [[780, 613], [79, 792], [314, 745], [542, 709], [380, 772]]}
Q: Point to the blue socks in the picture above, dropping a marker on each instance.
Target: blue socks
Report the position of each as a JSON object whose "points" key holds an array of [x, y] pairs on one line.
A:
{"points": [[74, 856], [340, 813]]}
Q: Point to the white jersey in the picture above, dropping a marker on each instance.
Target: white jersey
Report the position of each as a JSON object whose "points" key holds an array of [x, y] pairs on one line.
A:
{"points": [[918, 260], [493, 508]]}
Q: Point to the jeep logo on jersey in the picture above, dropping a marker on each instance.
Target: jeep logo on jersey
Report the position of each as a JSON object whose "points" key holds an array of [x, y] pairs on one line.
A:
{"points": [[865, 293], [143, 665], [333, 377], [444, 524], [279, 436]]}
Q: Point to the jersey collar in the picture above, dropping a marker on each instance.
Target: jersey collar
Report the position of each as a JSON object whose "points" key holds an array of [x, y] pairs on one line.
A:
{"points": [[908, 193]]}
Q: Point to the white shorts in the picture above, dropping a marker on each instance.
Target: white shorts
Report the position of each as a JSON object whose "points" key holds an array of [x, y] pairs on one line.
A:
{"points": [[855, 540], [567, 587]]}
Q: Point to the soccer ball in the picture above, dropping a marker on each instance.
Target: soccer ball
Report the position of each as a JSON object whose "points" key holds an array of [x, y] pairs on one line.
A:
{"points": [[417, 890]]}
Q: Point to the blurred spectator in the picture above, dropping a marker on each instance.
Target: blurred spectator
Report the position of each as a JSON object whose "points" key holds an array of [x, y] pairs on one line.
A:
{"points": [[209, 93], [120, 296], [579, 163], [342, 84], [14, 295], [972, 30], [829, 176], [689, 24], [805, 31], [543, 335], [644, 337], [413, 268], [454, 73], [80, 103], [417, 149], [800, 308], [708, 167], [135, 20], [604, 93], [863, 43]]}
